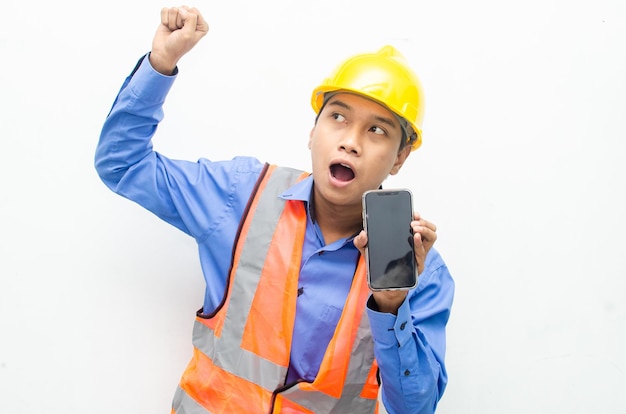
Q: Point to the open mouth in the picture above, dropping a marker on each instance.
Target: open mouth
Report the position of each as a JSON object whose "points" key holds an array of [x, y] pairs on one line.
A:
{"points": [[341, 172]]}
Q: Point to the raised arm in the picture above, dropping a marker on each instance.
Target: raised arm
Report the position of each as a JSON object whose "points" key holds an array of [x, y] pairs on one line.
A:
{"points": [[174, 190]]}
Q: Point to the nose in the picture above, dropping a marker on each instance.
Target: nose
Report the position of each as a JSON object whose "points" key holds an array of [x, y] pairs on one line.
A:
{"points": [[351, 142]]}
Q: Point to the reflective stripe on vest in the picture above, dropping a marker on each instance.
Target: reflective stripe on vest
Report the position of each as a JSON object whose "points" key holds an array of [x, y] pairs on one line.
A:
{"points": [[241, 354]]}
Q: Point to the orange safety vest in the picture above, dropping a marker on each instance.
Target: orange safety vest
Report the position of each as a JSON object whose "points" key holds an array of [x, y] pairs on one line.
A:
{"points": [[242, 350]]}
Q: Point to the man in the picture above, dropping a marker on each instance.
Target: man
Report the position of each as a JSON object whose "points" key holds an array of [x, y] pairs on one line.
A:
{"points": [[288, 323]]}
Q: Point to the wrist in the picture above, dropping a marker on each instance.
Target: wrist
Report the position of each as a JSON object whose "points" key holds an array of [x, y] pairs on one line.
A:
{"points": [[163, 66], [388, 301]]}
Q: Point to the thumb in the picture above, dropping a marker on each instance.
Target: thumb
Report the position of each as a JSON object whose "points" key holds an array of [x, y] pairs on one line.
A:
{"points": [[360, 241], [194, 25], [190, 21]]}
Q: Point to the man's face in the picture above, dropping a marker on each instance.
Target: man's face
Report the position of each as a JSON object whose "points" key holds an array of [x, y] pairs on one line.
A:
{"points": [[354, 147]]}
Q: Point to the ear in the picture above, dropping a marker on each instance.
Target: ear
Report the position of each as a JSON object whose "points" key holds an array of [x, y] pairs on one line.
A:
{"points": [[311, 137], [403, 154]]}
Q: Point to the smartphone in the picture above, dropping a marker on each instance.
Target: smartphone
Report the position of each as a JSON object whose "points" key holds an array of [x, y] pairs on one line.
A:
{"points": [[389, 255]]}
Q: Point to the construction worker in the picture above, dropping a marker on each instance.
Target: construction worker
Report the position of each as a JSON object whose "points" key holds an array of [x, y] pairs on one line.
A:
{"points": [[288, 323]]}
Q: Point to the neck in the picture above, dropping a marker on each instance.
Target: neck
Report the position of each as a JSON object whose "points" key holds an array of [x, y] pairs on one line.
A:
{"points": [[336, 222]]}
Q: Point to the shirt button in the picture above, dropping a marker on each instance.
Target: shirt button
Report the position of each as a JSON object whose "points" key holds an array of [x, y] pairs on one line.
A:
{"points": [[407, 373], [403, 326]]}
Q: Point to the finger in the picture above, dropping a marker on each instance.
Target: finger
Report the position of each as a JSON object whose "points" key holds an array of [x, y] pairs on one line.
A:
{"points": [[174, 20], [428, 225], [190, 21], [418, 242], [419, 252], [418, 217], [427, 234], [201, 25], [360, 241], [423, 223], [164, 15], [180, 21]]}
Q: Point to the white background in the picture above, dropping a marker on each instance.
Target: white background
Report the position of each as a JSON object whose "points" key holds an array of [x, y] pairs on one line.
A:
{"points": [[522, 170]]}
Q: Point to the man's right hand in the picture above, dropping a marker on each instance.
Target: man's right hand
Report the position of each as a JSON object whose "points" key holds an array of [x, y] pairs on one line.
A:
{"points": [[180, 29]]}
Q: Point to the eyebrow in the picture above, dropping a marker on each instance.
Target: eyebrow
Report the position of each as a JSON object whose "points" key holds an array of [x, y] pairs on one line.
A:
{"points": [[381, 119]]}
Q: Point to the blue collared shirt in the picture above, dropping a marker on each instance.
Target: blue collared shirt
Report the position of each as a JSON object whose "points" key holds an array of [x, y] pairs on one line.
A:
{"points": [[206, 200]]}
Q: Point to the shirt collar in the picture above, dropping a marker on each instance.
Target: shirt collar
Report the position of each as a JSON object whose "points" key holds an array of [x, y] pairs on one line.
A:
{"points": [[300, 191]]}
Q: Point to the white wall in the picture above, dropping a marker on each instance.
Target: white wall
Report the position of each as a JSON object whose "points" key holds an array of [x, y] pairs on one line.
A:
{"points": [[521, 169]]}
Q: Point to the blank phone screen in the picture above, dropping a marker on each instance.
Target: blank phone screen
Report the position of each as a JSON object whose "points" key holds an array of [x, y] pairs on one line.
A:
{"points": [[391, 261]]}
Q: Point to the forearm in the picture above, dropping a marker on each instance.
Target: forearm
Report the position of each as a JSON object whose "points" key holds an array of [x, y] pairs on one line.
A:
{"points": [[410, 346], [409, 371], [127, 132], [125, 159]]}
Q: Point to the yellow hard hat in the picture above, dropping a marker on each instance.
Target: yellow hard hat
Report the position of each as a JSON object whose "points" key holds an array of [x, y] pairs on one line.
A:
{"points": [[385, 77]]}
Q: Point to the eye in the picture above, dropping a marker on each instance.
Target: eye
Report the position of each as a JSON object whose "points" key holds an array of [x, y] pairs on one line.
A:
{"points": [[378, 130], [338, 117]]}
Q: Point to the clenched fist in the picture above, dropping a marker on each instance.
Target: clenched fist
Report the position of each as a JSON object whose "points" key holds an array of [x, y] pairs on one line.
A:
{"points": [[180, 29]]}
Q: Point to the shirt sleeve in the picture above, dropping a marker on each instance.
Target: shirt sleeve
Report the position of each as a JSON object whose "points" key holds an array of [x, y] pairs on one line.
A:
{"points": [[410, 347], [193, 196]]}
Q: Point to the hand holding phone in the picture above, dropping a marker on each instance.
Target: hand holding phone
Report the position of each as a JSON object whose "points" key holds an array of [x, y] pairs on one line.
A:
{"points": [[389, 254]]}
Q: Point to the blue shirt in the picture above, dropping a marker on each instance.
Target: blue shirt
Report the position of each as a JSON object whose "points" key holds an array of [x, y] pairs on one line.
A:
{"points": [[206, 200]]}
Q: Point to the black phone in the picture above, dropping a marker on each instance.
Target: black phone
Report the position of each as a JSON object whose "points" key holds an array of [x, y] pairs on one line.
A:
{"points": [[389, 254]]}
